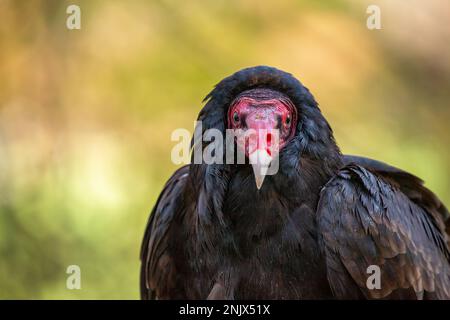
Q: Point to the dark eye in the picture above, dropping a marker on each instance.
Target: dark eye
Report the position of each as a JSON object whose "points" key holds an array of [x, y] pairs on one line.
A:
{"points": [[288, 120], [236, 117]]}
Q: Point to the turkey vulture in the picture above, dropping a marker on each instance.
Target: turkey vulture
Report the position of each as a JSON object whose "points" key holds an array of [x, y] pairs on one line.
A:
{"points": [[313, 230]]}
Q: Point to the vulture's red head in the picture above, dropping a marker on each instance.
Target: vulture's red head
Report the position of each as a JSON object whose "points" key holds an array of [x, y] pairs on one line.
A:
{"points": [[266, 119], [278, 116]]}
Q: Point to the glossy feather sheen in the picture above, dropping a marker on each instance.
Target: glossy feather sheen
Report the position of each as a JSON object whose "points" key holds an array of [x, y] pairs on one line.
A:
{"points": [[310, 232]]}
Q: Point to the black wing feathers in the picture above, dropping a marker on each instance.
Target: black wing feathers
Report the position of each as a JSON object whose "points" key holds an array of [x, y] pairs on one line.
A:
{"points": [[412, 186], [159, 274], [364, 220]]}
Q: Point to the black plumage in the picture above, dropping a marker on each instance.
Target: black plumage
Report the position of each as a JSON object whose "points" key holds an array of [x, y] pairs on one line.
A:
{"points": [[310, 232]]}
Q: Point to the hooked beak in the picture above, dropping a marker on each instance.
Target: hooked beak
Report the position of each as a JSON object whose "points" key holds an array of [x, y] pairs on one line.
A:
{"points": [[260, 161]]}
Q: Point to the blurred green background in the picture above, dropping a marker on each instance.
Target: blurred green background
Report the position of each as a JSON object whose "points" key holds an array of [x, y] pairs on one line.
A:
{"points": [[86, 115]]}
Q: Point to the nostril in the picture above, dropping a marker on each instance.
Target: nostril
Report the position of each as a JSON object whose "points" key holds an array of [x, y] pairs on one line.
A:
{"points": [[269, 139]]}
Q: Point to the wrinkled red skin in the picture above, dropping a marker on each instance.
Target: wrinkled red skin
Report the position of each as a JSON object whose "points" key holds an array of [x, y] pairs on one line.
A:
{"points": [[263, 116]]}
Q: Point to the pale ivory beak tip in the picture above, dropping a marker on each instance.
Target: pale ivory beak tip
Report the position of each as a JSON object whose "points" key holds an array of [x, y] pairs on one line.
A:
{"points": [[260, 161], [259, 181]]}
